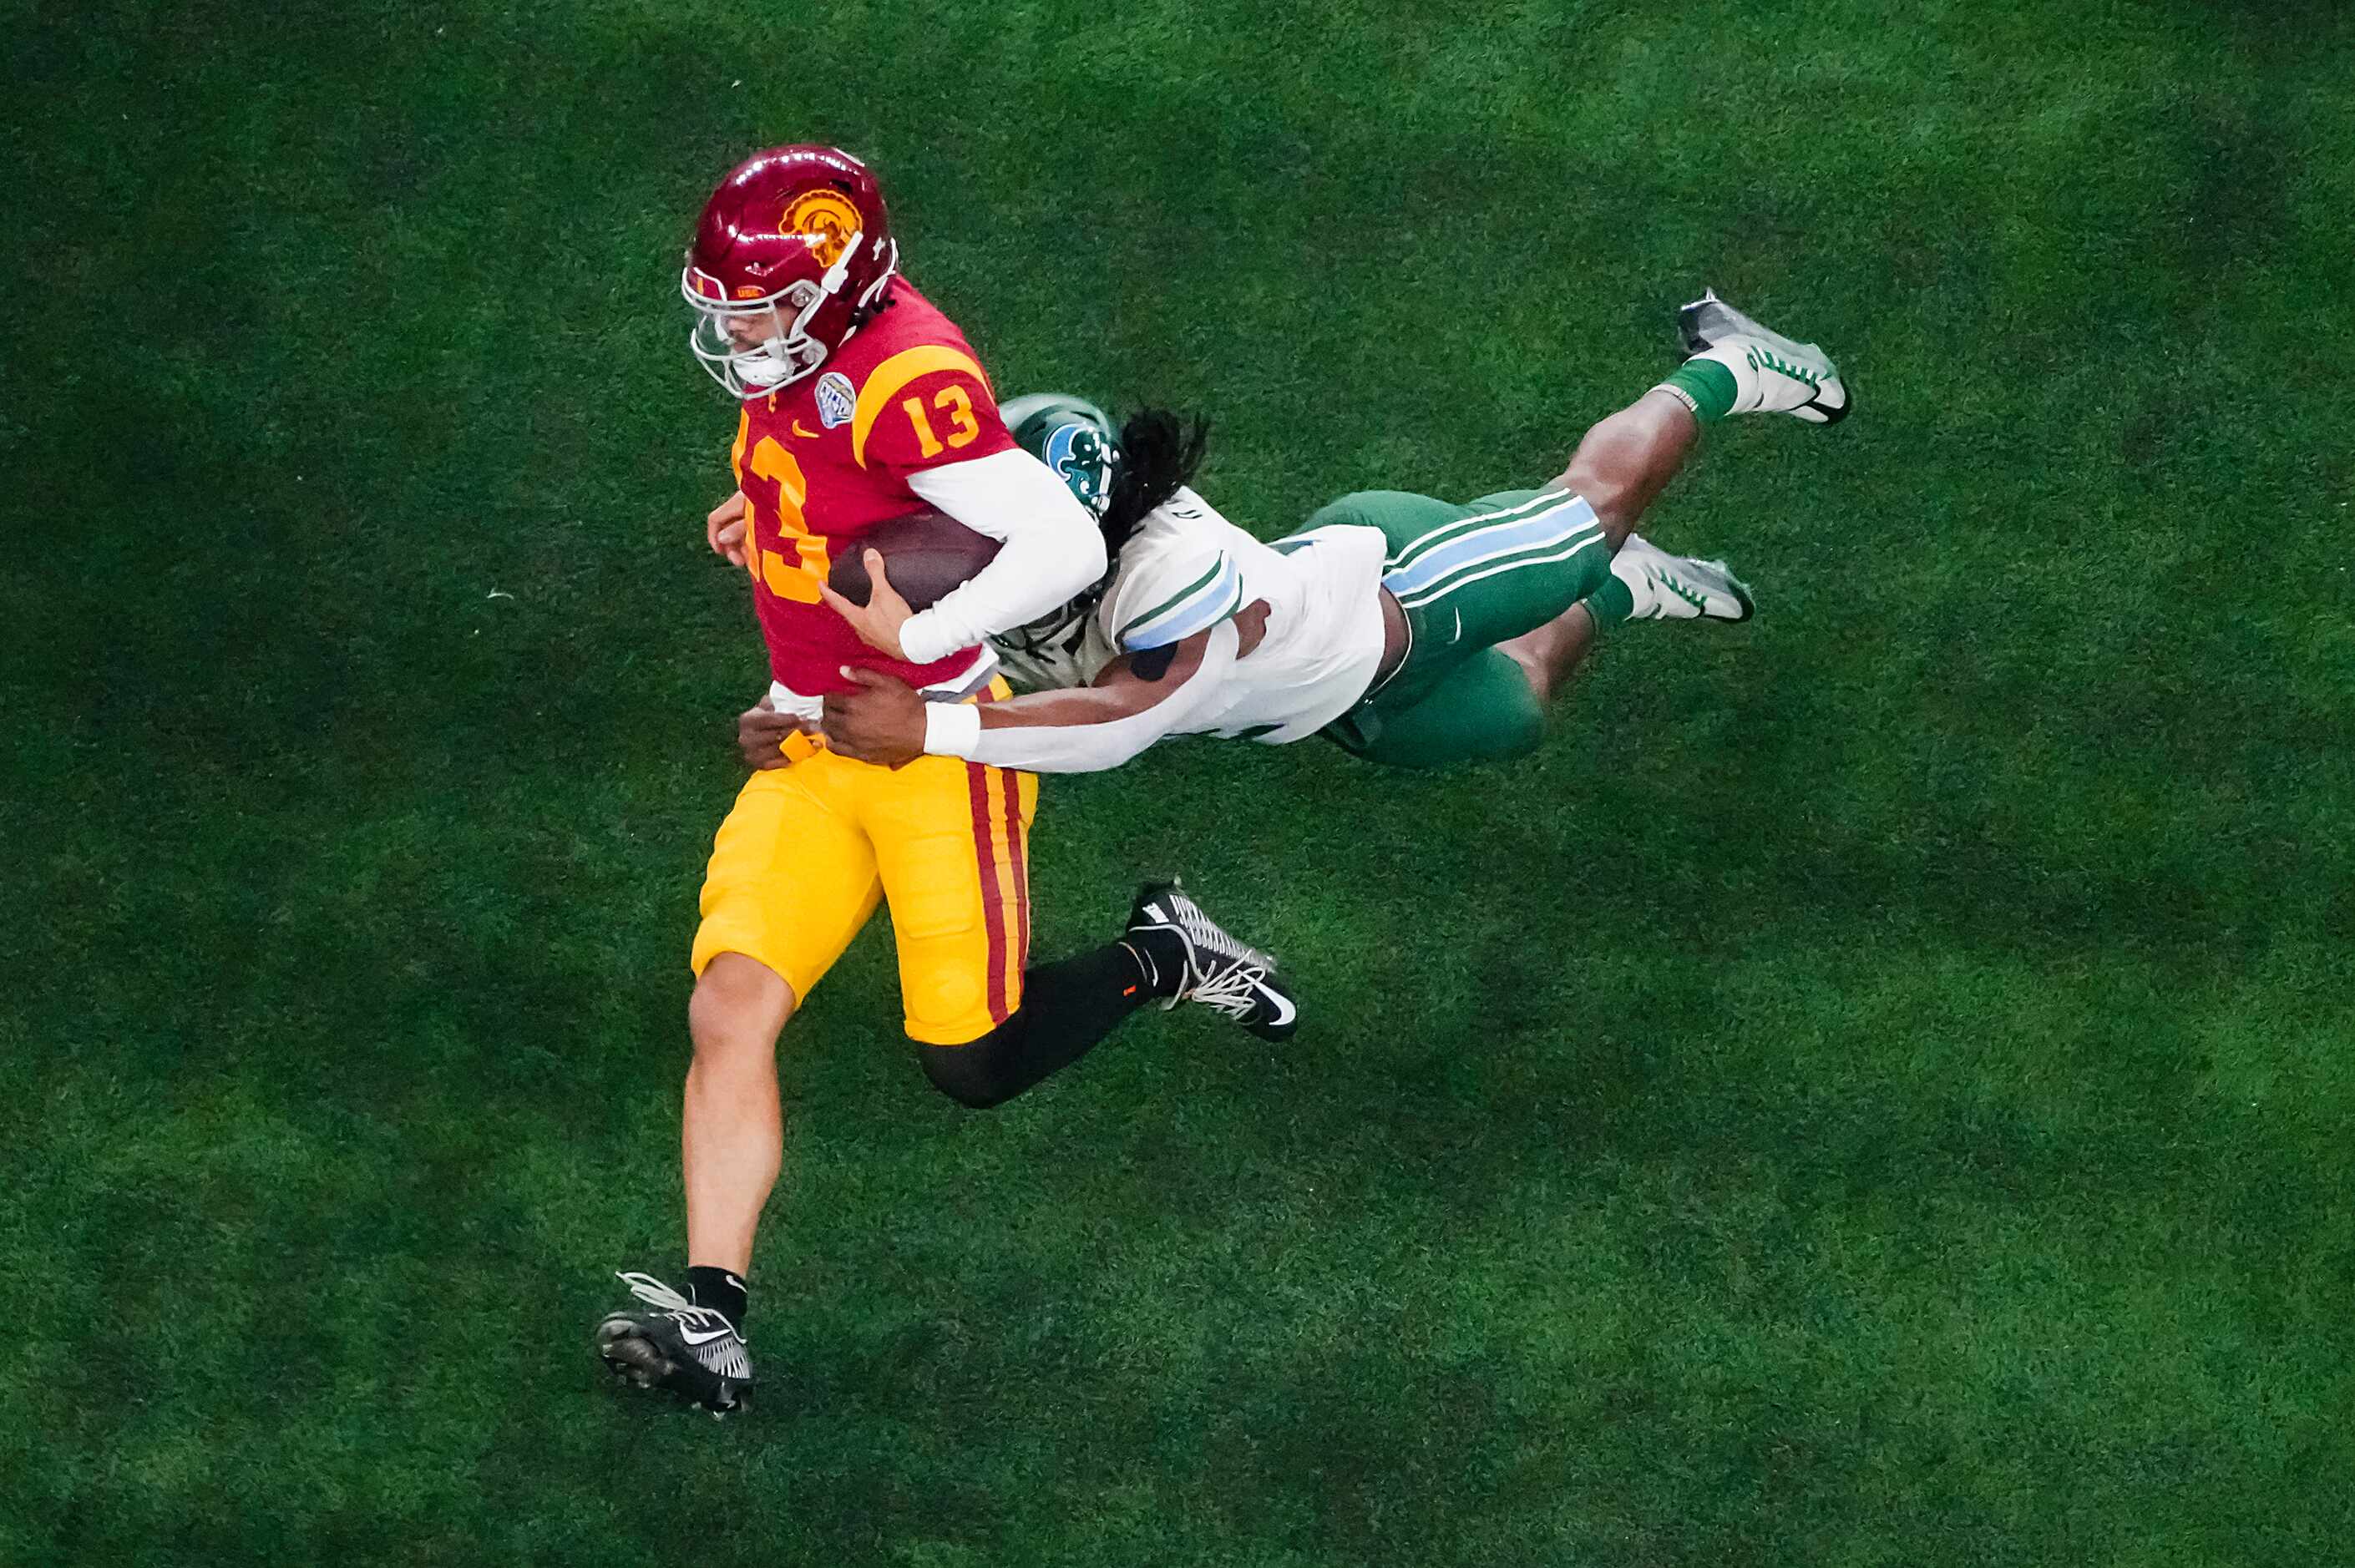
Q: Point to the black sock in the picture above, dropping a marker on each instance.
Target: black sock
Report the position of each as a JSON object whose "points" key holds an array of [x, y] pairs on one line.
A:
{"points": [[1160, 959], [1067, 1007], [719, 1288], [1080, 999]]}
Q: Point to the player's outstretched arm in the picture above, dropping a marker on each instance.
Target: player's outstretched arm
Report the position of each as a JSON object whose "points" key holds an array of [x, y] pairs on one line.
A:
{"points": [[1084, 729]]}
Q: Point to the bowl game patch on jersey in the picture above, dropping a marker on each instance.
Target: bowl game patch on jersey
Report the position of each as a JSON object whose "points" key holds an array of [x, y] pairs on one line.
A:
{"points": [[836, 400]]}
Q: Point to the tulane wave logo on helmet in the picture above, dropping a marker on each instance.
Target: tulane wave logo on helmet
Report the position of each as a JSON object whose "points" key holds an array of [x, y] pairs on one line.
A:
{"points": [[1082, 458]]}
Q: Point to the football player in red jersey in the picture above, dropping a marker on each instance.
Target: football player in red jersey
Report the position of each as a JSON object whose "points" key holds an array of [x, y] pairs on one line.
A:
{"points": [[861, 402]]}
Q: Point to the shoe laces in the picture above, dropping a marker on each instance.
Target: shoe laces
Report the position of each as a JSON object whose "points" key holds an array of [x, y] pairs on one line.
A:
{"points": [[1204, 934], [1233, 989], [1764, 357], [1695, 596], [1220, 972], [669, 1303]]}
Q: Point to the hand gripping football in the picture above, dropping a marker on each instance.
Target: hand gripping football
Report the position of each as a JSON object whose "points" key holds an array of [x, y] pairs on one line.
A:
{"points": [[926, 553]]}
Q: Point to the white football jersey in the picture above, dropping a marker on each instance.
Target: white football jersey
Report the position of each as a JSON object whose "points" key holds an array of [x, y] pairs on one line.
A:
{"points": [[1186, 569]]}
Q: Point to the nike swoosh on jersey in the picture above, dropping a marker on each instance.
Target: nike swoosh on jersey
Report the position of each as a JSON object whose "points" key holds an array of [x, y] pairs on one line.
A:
{"points": [[805, 435]]}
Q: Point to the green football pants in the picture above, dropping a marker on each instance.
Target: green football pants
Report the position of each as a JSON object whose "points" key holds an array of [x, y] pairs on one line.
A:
{"points": [[1469, 578]]}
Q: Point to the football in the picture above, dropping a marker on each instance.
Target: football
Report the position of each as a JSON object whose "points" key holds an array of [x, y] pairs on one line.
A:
{"points": [[925, 552]]}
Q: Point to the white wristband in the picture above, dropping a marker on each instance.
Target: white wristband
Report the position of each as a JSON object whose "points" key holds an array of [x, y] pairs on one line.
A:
{"points": [[952, 730]]}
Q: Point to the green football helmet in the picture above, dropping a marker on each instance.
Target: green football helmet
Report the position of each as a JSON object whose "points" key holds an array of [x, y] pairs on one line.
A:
{"points": [[1079, 442], [1071, 436]]}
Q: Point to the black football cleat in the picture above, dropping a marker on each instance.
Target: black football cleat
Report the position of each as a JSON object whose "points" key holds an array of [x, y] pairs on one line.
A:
{"points": [[692, 1351], [1194, 959]]}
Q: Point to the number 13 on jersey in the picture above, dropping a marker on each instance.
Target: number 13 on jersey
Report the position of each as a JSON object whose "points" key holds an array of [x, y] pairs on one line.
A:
{"points": [[957, 404], [796, 572]]}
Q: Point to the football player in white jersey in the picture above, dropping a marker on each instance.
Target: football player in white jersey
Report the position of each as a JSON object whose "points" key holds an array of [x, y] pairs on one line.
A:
{"points": [[1411, 631]]}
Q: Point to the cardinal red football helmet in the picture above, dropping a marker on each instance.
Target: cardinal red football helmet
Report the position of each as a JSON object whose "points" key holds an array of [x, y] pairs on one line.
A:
{"points": [[792, 253]]}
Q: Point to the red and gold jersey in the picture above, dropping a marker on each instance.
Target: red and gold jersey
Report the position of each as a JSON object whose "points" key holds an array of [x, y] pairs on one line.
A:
{"points": [[825, 459]]}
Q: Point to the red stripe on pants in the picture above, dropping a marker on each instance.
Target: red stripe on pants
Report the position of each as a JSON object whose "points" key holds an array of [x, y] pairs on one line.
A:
{"points": [[992, 901], [1015, 848]]}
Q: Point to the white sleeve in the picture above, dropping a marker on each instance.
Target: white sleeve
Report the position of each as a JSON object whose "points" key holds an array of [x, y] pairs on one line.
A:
{"points": [[1049, 550], [954, 729], [1191, 586]]}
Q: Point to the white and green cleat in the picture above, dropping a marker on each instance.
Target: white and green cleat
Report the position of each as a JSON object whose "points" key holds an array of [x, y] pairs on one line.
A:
{"points": [[1773, 373], [1679, 587]]}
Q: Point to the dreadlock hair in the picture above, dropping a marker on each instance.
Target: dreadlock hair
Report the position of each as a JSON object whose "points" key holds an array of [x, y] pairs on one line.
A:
{"points": [[1159, 451]]}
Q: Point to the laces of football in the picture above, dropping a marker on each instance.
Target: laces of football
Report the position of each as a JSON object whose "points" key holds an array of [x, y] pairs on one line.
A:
{"points": [[657, 1295]]}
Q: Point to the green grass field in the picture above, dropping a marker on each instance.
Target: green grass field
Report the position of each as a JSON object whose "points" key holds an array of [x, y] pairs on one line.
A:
{"points": [[1875, 1091]]}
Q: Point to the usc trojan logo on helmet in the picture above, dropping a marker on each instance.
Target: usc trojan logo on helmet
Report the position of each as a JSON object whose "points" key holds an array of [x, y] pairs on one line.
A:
{"points": [[791, 254], [825, 219]]}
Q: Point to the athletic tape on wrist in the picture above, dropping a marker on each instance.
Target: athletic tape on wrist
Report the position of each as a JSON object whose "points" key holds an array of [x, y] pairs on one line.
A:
{"points": [[952, 730]]}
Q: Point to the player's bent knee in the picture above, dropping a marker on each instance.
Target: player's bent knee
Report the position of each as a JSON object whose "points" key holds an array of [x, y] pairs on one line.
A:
{"points": [[1531, 662], [739, 1005], [973, 1073], [1613, 500], [1520, 735]]}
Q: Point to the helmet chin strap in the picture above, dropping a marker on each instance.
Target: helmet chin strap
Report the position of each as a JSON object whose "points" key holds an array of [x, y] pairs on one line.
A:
{"points": [[832, 281], [771, 354], [764, 371]]}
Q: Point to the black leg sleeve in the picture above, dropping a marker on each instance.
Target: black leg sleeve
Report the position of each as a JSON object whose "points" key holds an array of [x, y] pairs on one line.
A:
{"points": [[1067, 1007]]}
